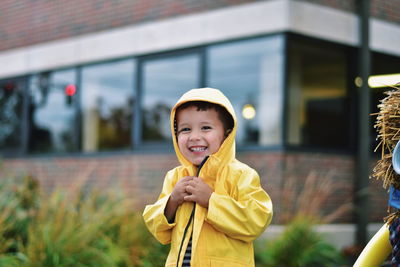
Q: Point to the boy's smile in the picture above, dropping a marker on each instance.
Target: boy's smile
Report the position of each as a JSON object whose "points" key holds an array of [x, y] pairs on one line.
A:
{"points": [[200, 133]]}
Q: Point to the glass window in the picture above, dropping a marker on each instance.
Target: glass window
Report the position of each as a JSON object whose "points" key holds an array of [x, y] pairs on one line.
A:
{"points": [[108, 98], [164, 80], [11, 114], [250, 73], [318, 106], [52, 112]]}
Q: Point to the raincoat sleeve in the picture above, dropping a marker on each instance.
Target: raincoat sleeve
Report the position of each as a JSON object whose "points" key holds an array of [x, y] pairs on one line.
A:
{"points": [[246, 213], [153, 215]]}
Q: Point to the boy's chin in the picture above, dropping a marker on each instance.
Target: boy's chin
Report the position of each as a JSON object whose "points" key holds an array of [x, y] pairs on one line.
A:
{"points": [[198, 161]]}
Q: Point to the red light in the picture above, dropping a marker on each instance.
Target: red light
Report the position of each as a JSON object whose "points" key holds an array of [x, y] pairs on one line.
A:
{"points": [[9, 86], [70, 89]]}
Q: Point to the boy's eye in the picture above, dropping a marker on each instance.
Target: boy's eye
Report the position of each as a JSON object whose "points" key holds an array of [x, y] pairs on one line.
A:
{"points": [[206, 128], [182, 130]]}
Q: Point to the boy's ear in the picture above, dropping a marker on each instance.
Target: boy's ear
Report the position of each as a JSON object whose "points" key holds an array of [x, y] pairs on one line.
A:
{"points": [[227, 132]]}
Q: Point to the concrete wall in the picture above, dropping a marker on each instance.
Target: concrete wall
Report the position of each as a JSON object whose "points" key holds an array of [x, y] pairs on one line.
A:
{"points": [[340, 235]]}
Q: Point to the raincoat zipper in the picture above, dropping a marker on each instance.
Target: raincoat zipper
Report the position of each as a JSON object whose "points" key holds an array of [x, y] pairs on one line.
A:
{"points": [[191, 215]]}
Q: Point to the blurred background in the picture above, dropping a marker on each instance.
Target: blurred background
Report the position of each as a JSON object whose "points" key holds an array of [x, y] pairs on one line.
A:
{"points": [[86, 88]]}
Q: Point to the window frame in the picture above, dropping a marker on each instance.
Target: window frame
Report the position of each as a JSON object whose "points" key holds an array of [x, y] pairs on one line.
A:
{"points": [[134, 90], [138, 146], [23, 134], [350, 94], [76, 106]]}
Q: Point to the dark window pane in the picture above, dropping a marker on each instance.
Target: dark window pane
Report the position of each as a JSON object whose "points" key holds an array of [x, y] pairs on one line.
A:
{"points": [[164, 81], [11, 108], [52, 112], [108, 99], [318, 110], [250, 73]]}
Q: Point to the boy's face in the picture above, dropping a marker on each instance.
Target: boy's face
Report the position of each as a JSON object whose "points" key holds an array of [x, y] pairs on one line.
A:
{"points": [[200, 133]]}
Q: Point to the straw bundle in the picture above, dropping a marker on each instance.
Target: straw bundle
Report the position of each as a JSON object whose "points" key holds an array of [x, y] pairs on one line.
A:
{"points": [[388, 128]]}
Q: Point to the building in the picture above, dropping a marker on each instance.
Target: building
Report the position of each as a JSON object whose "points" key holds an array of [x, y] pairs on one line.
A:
{"points": [[86, 88]]}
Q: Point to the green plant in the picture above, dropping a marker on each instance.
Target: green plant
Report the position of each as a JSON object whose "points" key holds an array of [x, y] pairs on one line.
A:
{"points": [[18, 203], [146, 250], [90, 229], [301, 209], [75, 232], [298, 246], [72, 229]]}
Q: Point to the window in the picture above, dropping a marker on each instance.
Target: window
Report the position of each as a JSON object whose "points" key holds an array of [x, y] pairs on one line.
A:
{"points": [[111, 106], [318, 106], [164, 80], [52, 112], [11, 114], [250, 73], [108, 99]]}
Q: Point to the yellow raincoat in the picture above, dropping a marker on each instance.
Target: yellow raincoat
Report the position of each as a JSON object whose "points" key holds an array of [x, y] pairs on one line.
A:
{"points": [[239, 209]]}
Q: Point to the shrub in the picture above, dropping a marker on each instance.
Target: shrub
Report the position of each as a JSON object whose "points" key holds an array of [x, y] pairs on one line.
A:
{"points": [[302, 206], [298, 246], [17, 207], [85, 229]]}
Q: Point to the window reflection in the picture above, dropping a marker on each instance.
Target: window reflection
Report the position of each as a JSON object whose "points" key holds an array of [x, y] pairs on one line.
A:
{"points": [[250, 73], [318, 107], [11, 99], [108, 99], [164, 81], [52, 113]]}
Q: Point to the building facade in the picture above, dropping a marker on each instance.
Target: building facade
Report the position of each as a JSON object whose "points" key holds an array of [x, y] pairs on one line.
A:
{"points": [[86, 88]]}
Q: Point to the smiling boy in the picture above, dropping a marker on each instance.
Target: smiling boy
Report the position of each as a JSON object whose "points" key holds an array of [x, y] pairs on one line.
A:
{"points": [[210, 217]]}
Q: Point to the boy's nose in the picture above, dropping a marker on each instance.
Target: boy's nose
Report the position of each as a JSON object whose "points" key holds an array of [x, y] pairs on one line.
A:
{"points": [[194, 135]]}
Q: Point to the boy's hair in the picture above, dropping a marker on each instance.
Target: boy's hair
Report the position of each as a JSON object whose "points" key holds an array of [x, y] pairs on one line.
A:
{"points": [[224, 116]]}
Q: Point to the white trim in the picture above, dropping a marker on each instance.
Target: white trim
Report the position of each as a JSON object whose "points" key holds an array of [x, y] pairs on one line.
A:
{"points": [[339, 235], [324, 23], [385, 37], [197, 29]]}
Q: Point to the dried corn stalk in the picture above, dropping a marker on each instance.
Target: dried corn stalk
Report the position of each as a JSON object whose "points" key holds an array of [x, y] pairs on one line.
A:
{"points": [[388, 128]]}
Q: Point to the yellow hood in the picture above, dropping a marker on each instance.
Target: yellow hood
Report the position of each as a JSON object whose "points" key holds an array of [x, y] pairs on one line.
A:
{"points": [[226, 152]]}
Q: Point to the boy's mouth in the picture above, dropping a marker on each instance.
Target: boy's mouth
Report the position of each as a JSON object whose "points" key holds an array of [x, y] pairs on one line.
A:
{"points": [[197, 148]]}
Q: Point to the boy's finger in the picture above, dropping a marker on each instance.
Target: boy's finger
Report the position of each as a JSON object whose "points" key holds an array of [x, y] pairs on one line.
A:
{"points": [[189, 189], [194, 182], [189, 198], [186, 178], [198, 180]]}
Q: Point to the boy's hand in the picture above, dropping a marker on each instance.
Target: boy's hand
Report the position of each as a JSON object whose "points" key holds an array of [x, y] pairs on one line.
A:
{"points": [[179, 192], [176, 198], [199, 192]]}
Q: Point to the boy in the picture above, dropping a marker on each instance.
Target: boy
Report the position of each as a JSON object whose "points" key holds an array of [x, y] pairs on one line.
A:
{"points": [[212, 206]]}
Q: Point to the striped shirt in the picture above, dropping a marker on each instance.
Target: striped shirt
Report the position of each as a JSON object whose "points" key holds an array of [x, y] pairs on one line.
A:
{"points": [[188, 254]]}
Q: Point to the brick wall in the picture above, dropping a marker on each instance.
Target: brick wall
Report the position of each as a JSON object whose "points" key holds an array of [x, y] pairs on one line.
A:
{"points": [[388, 10], [28, 22], [141, 177]]}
